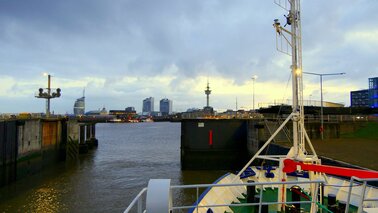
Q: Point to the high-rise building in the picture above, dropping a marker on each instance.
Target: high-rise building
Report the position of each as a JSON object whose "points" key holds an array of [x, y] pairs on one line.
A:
{"points": [[373, 92], [165, 106], [148, 105], [366, 97], [79, 106]]}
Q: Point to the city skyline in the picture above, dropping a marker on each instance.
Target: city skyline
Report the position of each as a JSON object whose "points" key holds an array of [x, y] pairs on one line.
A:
{"points": [[122, 51]]}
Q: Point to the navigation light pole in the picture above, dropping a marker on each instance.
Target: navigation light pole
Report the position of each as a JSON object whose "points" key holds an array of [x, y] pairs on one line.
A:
{"points": [[48, 94], [321, 97]]}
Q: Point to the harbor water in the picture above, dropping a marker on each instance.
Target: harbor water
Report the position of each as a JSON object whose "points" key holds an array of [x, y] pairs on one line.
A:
{"points": [[108, 178]]}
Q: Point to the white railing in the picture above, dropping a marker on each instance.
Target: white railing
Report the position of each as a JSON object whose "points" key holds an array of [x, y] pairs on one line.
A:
{"points": [[363, 193], [328, 118], [139, 201]]}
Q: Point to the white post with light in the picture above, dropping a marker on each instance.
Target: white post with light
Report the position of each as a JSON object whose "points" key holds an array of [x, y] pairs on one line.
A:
{"points": [[253, 94]]}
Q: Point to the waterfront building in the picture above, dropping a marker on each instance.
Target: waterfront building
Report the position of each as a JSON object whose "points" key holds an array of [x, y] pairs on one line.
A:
{"points": [[102, 111], [367, 97], [130, 110], [148, 105], [359, 98], [165, 106], [155, 114], [79, 106], [127, 115]]}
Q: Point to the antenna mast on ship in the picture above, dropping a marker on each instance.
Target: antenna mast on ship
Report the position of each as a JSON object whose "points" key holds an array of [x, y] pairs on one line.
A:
{"points": [[293, 40]]}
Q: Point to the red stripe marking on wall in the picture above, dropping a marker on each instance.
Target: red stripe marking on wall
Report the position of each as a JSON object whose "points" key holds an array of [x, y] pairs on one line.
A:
{"points": [[210, 137]]}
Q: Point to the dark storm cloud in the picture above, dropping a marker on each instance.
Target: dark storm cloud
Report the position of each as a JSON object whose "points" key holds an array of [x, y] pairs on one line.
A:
{"points": [[130, 36], [99, 39]]}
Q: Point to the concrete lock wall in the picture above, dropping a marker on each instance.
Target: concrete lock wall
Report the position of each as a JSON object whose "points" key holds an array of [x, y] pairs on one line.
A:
{"points": [[29, 137], [72, 140], [73, 130], [29, 160]]}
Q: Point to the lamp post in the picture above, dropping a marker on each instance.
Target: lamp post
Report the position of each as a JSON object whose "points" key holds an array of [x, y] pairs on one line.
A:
{"points": [[48, 94], [253, 94], [321, 97], [310, 100]]}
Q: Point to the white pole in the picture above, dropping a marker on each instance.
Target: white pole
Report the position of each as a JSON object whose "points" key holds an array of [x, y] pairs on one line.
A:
{"points": [[49, 96], [321, 108], [253, 91]]}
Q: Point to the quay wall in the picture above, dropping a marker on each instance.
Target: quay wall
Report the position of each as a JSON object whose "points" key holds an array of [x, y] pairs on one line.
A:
{"points": [[29, 145]]}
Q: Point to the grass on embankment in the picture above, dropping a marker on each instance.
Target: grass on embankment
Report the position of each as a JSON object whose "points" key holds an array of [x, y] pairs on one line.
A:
{"points": [[358, 147], [368, 131]]}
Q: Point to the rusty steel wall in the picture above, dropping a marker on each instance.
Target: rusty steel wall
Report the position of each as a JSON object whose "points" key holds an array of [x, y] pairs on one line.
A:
{"points": [[49, 133]]}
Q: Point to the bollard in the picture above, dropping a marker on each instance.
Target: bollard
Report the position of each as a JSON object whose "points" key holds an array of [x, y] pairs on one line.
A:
{"points": [[342, 206], [264, 208], [332, 202], [88, 137], [94, 140], [331, 199], [251, 191], [83, 147], [295, 196]]}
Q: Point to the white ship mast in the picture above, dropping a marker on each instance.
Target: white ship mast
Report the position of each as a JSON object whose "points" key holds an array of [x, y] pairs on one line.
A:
{"points": [[294, 40]]}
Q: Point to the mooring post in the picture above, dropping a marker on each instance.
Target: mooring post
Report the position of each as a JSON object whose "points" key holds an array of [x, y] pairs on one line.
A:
{"points": [[93, 132], [88, 139], [83, 147]]}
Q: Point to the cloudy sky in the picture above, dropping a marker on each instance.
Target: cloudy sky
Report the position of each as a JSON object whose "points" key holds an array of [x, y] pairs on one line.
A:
{"points": [[122, 51]]}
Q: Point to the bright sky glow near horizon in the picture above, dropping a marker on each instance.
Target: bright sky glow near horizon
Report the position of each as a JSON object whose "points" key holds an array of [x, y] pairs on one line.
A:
{"points": [[123, 51]]}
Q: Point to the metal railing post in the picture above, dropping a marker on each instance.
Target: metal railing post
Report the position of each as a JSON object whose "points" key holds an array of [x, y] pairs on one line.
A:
{"points": [[360, 206], [197, 197], [314, 197], [349, 194], [261, 198], [140, 204]]}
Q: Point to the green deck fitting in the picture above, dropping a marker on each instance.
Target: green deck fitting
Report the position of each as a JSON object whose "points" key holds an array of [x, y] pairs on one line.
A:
{"points": [[270, 195]]}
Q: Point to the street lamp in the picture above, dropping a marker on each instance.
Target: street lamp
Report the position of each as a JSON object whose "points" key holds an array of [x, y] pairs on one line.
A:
{"points": [[48, 94], [321, 96], [253, 85]]}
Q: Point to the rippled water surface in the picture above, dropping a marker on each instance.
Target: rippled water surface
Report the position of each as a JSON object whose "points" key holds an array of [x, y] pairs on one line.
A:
{"points": [[108, 178]]}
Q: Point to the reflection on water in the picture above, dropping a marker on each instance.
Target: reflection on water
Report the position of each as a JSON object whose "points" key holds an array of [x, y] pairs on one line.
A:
{"points": [[107, 179], [46, 199]]}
